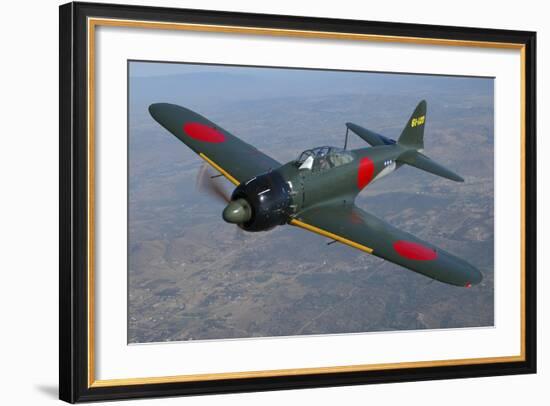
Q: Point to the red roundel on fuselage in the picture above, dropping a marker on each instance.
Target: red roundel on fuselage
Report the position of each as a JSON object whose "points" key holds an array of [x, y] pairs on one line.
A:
{"points": [[364, 172], [202, 132], [413, 250]]}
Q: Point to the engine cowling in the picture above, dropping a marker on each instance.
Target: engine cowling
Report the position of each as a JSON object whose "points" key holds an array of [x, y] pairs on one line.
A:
{"points": [[268, 198]]}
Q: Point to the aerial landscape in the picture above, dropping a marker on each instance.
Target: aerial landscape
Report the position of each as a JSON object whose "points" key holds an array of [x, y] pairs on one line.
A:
{"points": [[192, 276]]}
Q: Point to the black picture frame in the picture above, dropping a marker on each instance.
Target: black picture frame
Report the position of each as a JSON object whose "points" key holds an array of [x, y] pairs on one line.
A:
{"points": [[74, 383]]}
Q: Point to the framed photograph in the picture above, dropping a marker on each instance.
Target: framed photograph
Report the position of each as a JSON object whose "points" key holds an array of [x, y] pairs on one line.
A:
{"points": [[255, 202]]}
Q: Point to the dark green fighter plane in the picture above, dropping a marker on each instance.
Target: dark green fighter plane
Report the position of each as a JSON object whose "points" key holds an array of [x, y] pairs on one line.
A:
{"points": [[317, 191]]}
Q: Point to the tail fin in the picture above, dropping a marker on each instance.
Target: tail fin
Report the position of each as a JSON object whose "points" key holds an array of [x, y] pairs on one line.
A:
{"points": [[412, 138], [413, 133]]}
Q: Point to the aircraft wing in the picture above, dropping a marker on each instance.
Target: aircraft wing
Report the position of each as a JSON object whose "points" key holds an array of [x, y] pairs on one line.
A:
{"points": [[235, 159], [354, 227]]}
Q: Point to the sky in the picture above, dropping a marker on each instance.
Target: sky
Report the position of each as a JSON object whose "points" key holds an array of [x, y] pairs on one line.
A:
{"points": [[210, 83]]}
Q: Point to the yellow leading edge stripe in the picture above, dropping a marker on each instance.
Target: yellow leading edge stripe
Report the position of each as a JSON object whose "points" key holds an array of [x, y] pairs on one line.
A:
{"points": [[220, 169], [343, 240], [294, 222]]}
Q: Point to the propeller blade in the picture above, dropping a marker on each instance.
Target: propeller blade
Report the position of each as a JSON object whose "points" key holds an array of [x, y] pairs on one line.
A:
{"points": [[206, 183]]}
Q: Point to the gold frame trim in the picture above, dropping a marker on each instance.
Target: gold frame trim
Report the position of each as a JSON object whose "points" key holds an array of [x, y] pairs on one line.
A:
{"points": [[94, 22]]}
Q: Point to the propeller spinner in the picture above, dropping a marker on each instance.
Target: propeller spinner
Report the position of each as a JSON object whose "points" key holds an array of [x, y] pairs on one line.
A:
{"points": [[259, 204], [237, 212]]}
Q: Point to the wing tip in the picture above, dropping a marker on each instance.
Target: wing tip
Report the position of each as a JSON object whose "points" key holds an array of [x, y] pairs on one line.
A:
{"points": [[155, 109]]}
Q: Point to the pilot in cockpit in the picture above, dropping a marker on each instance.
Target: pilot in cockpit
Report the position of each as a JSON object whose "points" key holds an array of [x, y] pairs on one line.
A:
{"points": [[323, 158]]}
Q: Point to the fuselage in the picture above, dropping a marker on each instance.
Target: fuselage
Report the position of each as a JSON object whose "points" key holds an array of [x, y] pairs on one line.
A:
{"points": [[339, 183], [320, 176]]}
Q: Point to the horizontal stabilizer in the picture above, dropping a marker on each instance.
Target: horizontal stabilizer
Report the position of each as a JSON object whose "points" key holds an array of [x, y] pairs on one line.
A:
{"points": [[369, 136], [421, 161]]}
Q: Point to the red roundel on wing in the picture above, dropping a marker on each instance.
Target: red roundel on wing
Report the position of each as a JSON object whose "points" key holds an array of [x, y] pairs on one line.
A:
{"points": [[203, 132], [413, 250], [364, 172]]}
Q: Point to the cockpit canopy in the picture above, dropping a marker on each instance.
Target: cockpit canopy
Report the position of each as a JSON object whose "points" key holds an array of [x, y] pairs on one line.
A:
{"points": [[322, 158]]}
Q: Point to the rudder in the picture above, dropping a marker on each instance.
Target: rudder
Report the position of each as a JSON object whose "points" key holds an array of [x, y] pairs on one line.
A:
{"points": [[413, 133]]}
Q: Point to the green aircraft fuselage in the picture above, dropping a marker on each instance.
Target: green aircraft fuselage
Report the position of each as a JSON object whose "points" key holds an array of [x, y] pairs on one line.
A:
{"points": [[342, 183]]}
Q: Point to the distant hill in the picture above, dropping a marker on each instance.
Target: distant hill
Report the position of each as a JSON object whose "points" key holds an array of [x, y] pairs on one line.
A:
{"points": [[242, 84]]}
